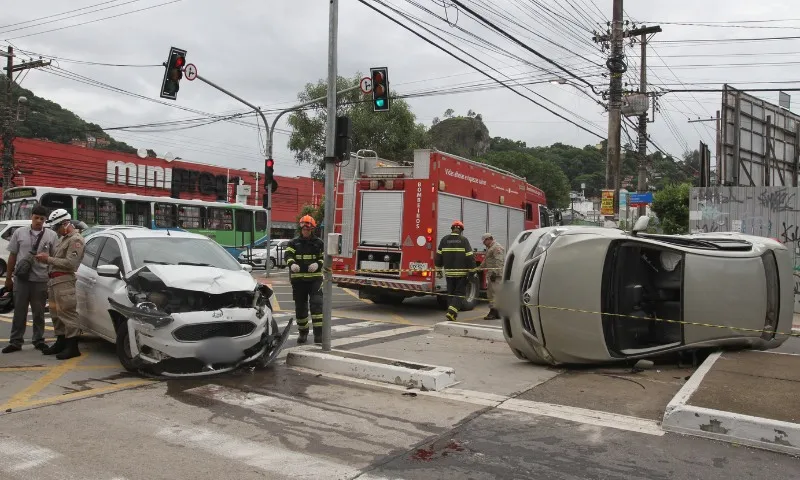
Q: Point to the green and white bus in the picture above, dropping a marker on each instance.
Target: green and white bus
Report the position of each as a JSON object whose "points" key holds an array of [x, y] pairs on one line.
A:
{"points": [[234, 226]]}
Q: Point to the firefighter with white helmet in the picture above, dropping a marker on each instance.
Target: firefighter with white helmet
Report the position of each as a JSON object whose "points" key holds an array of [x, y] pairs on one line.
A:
{"points": [[456, 257], [304, 256], [61, 286]]}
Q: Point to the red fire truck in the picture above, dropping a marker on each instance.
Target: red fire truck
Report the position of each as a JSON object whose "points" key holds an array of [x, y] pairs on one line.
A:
{"points": [[391, 216]]}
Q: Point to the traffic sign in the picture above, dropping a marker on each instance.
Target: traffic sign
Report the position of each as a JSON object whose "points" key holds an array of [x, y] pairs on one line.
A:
{"points": [[366, 85], [190, 71], [641, 198]]}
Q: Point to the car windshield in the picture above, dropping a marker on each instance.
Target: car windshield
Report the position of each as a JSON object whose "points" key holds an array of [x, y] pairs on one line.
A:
{"points": [[180, 251]]}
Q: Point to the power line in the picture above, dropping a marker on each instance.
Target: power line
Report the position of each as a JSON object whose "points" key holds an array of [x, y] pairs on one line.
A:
{"points": [[58, 14], [95, 20], [476, 68], [727, 40], [65, 18]]}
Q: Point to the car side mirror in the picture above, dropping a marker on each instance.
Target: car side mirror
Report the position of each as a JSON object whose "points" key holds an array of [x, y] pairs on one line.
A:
{"points": [[641, 224], [247, 268], [108, 271]]}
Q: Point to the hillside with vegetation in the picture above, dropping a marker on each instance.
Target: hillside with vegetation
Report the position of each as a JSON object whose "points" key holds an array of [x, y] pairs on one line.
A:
{"points": [[42, 119]]}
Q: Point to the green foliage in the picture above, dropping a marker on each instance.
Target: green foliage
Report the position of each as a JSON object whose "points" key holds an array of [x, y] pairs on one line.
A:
{"points": [[393, 134], [671, 204], [463, 136], [544, 174], [48, 120]]}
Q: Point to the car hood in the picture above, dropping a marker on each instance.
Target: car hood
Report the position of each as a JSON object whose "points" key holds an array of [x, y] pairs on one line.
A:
{"points": [[209, 280]]}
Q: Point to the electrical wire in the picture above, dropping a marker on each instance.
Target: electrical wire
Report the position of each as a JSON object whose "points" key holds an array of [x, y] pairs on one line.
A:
{"points": [[65, 18]]}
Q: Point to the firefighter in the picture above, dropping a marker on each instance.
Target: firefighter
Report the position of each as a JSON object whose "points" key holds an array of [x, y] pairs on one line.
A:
{"points": [[455, 256], [493, 264], [304, 256], [61, 286]]}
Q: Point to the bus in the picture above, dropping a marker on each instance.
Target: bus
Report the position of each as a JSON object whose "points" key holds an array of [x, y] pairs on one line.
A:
{"points": [[234, 226]]}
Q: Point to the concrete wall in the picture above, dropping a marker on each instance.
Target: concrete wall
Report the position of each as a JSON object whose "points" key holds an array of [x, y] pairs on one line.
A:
{"points": [[772, 212]]}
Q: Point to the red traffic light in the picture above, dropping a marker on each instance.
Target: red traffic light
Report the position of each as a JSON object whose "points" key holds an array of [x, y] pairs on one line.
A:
{"points": [[270, 163], [180, 61], [378, 77]]}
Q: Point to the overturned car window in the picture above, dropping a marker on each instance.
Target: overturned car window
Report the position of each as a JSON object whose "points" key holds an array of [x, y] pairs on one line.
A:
{"points": [[180, 251]]}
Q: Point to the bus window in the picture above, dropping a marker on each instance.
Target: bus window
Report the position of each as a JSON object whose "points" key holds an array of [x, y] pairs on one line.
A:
{"points": [[190, 217], [87, 210], [52, 201], [261, 221], [22, 210], [109, 211], [220, 219], [528, 212], [165, 215], [137, 213]]}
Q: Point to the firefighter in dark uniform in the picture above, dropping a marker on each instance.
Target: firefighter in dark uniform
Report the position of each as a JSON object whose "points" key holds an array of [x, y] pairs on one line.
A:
{"points": [[304, 256], [455, 256]]}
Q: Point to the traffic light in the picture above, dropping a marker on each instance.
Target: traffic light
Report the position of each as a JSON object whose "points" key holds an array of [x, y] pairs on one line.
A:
{"points": [[380, 89], [173, 73], [268, 171], [344, 132]]}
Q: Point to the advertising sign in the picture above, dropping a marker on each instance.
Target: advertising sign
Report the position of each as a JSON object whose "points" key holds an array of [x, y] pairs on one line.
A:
{"points": [[607, 202]]}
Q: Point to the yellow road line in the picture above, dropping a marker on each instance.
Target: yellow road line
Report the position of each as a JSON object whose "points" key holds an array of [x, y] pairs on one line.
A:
{"points": [[24, 369], [30, 324], [22, 398], [84, 393], [276, 306], [39, 368], [355, 295]]}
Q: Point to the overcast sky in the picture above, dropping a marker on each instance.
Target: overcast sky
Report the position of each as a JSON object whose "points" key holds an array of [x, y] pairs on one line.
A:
{"points": [[266, 51]]}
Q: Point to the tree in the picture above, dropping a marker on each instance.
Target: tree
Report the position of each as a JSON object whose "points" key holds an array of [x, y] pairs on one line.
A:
{"points": [[543, 174], [393, 135], [671, 205], [449, 113]]}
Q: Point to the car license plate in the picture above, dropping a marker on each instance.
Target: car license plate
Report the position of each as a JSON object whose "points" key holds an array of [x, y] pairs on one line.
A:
{"points": [[218, 350], [419, 266]]}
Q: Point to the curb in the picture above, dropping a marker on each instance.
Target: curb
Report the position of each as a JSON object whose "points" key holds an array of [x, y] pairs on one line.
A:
{"points": [[368, 367], [764, 433], [470, 330]]}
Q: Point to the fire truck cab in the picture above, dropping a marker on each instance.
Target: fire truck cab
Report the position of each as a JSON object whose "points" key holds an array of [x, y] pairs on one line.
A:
{"points": [[392, 215]]}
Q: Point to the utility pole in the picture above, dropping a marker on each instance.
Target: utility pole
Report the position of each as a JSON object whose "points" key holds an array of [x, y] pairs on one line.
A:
{"points": [[642, 183], [330, 164], [617, 67], [11, 112]]}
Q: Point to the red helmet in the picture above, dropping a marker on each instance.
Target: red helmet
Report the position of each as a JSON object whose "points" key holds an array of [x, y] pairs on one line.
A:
{"points": [[458, 224], [308, 219]]}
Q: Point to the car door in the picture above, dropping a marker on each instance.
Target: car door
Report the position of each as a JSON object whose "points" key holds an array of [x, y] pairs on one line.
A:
{"points": [[111, 254], [86, 278]]}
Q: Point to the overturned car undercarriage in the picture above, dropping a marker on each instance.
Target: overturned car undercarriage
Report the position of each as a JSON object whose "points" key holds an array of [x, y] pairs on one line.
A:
{"points": [[183, 323]]}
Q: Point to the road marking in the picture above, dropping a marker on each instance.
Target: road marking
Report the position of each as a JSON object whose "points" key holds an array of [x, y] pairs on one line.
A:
{"points": [[271, 457], [30, 324], [16, 455], [502, 402], [38, 368], [276, 306], [355, 295], [87, 393], [22, 398]]}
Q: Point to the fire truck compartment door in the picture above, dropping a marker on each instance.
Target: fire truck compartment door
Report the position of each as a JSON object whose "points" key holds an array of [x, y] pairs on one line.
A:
{"points": [[381, 218], [449, 210], [516, 224]]}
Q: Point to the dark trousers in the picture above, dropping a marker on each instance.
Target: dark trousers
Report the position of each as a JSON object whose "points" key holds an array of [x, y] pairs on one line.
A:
{"points": [[456, 291], [307, 293], [33, 294]]}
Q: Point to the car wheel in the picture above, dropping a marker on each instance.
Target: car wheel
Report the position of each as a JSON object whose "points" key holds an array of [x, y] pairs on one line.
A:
{"points": [[272, 263], [124, 348], [473, 288]]}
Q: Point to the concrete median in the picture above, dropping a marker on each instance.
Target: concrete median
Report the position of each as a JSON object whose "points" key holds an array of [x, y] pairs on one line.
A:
{"points": [[470, 330], [370, 367]]}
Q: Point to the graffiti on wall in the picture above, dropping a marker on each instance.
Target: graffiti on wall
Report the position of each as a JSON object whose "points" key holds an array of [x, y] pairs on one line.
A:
{"points": [[772, 212]]}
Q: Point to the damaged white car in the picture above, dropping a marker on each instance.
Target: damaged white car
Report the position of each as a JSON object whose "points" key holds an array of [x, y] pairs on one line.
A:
{"points": [[175, 303]]}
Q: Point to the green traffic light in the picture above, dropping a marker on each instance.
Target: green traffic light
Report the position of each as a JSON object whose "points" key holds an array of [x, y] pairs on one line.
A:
{"points": [[379, 102]]}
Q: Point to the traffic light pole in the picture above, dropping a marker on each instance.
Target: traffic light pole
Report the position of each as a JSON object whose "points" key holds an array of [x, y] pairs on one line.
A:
{"points": [[330, 162]]}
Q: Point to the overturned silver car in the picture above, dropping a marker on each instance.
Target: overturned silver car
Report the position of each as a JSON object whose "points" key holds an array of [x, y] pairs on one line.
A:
{"points": [[175, 304]]}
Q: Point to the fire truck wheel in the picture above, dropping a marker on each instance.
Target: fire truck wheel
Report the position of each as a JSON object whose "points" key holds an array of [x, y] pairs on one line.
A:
{"points": [[472, 295]]}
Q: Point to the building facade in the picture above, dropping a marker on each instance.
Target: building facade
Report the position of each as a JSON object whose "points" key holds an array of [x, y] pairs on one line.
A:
{"points": [[50, 164]]}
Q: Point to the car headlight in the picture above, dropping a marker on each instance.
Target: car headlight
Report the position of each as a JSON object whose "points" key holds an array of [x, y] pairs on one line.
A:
{"points": [[544, 242]]}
